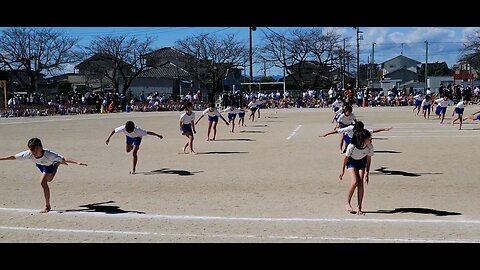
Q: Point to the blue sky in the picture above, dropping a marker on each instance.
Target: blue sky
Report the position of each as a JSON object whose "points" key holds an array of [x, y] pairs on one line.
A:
{"points": [[444, 42]]}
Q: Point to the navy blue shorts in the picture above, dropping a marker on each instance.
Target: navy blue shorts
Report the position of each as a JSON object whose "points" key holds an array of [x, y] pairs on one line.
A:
{"points": [[335, 109], [253, 109], [459, 110], [48, 169], [241, 115], [426, 107], [186, 128], [212, 118], [440, 110], [478, 117], [357, 164], [418, 103], [347, 139], [135, 141], [232, 116]]}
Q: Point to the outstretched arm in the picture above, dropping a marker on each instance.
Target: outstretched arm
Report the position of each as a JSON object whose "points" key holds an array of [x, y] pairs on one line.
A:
{"points": [[381, 129], [201, 116], [154, 134], [329, 133], [71, 160], [8, 158], [111, 134]]}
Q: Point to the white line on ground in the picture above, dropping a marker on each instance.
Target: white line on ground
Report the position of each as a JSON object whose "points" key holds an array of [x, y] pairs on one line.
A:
{"points": [[265, 219], [294, 132], [284, 237], [427, 136]]}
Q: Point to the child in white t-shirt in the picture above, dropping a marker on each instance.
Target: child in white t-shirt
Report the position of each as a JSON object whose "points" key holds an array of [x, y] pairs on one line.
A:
{"points": [[357, 159], [133, 137], [47, 162]]}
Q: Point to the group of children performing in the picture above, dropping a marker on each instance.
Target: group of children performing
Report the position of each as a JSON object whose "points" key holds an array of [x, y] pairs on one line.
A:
{"points": [[47, 161], [426, 104], [356, 144]]}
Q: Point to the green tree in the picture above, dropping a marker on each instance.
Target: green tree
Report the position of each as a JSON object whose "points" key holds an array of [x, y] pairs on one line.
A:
{"points": [[434, 69]]}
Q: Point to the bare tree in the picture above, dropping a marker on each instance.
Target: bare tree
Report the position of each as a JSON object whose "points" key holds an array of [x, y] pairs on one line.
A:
{"points": [[471, 50], [328, 54], [212, 58], [31, 51], [309, 54], [286, 51], [120, 59]]}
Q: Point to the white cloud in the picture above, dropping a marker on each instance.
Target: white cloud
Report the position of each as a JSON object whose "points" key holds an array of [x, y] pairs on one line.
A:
{"points": [[420, 34], [444, 43]]}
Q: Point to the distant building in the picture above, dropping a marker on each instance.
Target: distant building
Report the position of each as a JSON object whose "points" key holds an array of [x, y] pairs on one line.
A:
{"points": [[401, 69]]}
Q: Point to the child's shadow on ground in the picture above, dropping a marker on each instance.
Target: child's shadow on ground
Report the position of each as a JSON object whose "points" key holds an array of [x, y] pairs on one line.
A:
{"points": [[99, 207], [170, 171], [383, 170], [252, 131], [415, 210]]}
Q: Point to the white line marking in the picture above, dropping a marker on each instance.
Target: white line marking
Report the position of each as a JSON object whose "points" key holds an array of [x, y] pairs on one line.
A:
{"points": [[190, 217], [238, 235], [294, 131], [428, 136], [285, 237]]}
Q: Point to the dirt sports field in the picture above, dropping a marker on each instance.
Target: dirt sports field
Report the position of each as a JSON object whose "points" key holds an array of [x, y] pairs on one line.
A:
{"points": [[272, 181]]}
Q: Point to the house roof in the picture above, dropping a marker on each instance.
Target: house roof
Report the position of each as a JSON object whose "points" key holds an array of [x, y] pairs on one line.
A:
{"points": [[99, 59], [404, 57], [167, 70], [402, 70], [167, 52]]}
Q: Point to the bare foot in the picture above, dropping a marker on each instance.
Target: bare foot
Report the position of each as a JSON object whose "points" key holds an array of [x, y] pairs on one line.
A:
{"points": [[184, 149], [132, 173], [193, 152], [208, 140], [348, 207], [46, 209], [360, 213], [213, 139]]}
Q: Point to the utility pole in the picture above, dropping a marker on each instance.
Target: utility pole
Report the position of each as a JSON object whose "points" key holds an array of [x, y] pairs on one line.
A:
{"points": [[426, 63], [251, 57], [358, 55], [343, 64], [374, 70], [368, 68]]}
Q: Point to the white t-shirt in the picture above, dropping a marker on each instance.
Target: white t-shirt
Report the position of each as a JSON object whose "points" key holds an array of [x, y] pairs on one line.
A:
{"points": [[426, 102], [349, 130], [234, 111], [460, 105], [443, 103], [47, 159], [137, 132], [253, 104], [210, 113], [418, 97], [337, 103], [187, 119], [358, 154], [346, 120]]}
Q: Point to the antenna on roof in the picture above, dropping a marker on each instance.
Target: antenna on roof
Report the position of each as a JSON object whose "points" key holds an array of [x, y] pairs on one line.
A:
{"points": [[401, 52]]}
